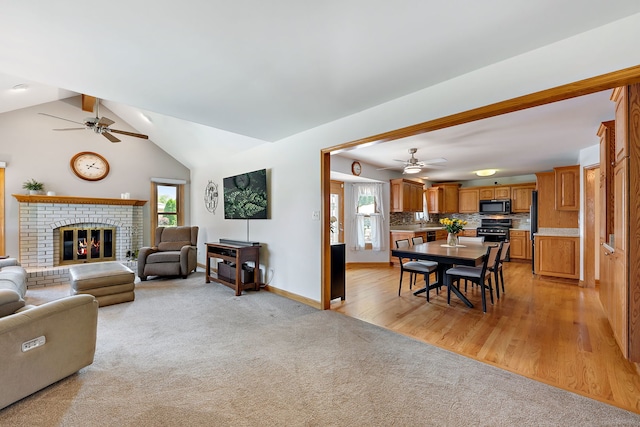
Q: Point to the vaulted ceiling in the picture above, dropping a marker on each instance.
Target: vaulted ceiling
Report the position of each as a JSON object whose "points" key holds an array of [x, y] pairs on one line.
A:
{"points": [[267, 70]]}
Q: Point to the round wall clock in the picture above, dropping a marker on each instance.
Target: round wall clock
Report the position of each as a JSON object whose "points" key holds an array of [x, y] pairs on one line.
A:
{"points": [[356, 168], [89, 166]]}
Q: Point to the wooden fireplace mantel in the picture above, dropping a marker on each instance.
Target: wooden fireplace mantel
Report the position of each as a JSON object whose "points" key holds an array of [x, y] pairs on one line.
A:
{"points": [[75, 200]]}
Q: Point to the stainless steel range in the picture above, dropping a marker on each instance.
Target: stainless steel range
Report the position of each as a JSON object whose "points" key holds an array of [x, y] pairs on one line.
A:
{"points": [[495, 230]]}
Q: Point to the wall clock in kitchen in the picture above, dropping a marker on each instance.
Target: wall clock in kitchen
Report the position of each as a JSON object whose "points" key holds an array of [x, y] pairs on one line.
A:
{"points": [[356, 168], [89, 166]]}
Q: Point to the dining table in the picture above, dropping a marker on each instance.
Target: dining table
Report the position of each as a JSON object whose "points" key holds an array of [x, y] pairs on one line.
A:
{"points": [[470, 254]]}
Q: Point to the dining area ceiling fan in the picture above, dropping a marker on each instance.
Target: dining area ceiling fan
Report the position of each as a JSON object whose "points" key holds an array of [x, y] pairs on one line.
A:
{"points": [[99, 125], [413, 165]]}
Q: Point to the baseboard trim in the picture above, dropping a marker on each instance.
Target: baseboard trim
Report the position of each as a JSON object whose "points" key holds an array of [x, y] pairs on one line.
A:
{"points": [[366, 265], [294, 297]]}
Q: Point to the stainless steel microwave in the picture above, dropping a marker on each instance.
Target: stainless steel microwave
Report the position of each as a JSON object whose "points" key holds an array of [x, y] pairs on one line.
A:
{"points": [[496, 207]]}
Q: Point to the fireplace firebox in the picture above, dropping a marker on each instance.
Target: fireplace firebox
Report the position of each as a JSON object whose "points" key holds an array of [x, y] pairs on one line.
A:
{"points": [[80, 245]]}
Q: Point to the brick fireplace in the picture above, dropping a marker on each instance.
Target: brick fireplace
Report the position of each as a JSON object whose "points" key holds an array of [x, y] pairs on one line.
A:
{"points": [[41, 218]]}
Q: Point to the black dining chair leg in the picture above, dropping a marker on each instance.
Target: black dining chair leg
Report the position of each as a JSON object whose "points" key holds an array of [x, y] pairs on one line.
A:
{"points": [[502, 280], [497, 284], [491, 289], [484, 298]]}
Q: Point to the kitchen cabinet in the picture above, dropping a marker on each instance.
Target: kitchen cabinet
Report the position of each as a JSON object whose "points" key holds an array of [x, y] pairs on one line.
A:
{"points": [[567, 188], [469, 232], [502, 192], [468, 200], [548, 216], [557, 256], [400, 235], [435, 199], [441, 234], [406, 195], [620, 96], [606, 132], [443, 198], [520, 244], [487, 193], [521, 198], [499, 192]]}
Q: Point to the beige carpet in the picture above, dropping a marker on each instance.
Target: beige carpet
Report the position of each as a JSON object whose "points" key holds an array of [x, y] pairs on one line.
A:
{"points": [[186, 353]]}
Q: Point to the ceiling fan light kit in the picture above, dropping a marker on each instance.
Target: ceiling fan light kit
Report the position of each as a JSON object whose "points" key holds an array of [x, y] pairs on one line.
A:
{"points": [[486, 172], [411, 169]]}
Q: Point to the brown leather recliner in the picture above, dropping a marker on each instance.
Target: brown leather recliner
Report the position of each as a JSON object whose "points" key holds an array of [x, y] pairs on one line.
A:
{"points": [[174, 255]]}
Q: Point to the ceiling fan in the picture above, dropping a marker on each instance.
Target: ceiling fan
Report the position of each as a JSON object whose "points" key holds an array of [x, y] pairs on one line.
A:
{"points": [[413, 165], [99, 125]]}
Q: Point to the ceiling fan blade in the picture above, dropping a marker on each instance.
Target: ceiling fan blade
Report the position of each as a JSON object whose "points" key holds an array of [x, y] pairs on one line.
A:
{"points": [[56, 117], [71, 129], [434, 161], [124, 132], [104, 121], [110, 137], [391, 167]]}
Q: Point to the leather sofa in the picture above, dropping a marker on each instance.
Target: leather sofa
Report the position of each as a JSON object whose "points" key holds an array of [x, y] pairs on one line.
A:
{"points": [[12, 277], [40, 345], [174, 255]]}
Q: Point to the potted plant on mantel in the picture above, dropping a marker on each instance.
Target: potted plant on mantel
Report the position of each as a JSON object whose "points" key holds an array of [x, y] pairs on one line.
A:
{"points": [[33, 186]]}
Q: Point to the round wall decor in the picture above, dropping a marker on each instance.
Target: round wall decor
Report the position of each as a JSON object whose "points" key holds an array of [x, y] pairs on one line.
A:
{"points": [[89, 166], [211, 197]]}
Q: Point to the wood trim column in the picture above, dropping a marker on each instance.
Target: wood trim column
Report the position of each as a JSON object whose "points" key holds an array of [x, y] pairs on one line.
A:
{"points": [[2, 215]]}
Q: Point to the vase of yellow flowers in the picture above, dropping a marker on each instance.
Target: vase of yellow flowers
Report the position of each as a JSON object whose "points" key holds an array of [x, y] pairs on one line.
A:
{"points": [[453, 227]]}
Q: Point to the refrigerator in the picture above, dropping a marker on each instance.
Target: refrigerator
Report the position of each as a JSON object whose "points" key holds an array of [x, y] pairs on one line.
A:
{"points": [[533, 221]]}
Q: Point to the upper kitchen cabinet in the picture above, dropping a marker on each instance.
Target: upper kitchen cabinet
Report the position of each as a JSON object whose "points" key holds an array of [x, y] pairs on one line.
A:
{"points": [[567, 188], [620, 96], [521, 198], [607, 135], [548, 216], [468, 200], [406, 195], [499, 192], [443, 198]]}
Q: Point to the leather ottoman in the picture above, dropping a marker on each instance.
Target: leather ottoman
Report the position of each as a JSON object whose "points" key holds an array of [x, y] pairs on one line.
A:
{"points": [[109, 282]]}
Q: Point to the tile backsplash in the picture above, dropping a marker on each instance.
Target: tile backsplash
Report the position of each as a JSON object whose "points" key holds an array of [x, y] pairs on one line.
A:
{"points": [[417, 218]]}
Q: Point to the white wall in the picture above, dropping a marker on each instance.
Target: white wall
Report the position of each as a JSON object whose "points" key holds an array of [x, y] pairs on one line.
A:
{"points": [[293, 239], [33, 150]]}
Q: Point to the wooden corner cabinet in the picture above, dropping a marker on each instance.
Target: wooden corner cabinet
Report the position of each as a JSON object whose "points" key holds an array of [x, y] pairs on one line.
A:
{"points": [[520, 244], [443, 198], [406, 195], [567, 188], [234, 255], [521, 198], [468, 200], [557, 256]]}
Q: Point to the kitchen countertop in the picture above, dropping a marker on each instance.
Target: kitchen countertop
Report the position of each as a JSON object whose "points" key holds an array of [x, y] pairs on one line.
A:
{"points": [[561, 232]]}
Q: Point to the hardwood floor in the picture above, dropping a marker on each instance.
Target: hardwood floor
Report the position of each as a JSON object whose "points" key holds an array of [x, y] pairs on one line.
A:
{"points": [[551, 331]]}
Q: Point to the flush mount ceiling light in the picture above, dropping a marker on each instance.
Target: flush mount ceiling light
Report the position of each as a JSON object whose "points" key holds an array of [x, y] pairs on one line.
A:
{"points": [[412, 169], [486, 172]]}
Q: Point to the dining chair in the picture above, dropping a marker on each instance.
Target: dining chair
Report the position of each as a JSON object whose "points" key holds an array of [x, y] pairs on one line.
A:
{"points": [[478, 275], [414, 268], [497, 269], [417, 240], [469, 239]]}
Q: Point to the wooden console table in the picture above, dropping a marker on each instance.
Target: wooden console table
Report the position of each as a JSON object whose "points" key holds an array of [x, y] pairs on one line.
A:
{"points": [[236, 254]]}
